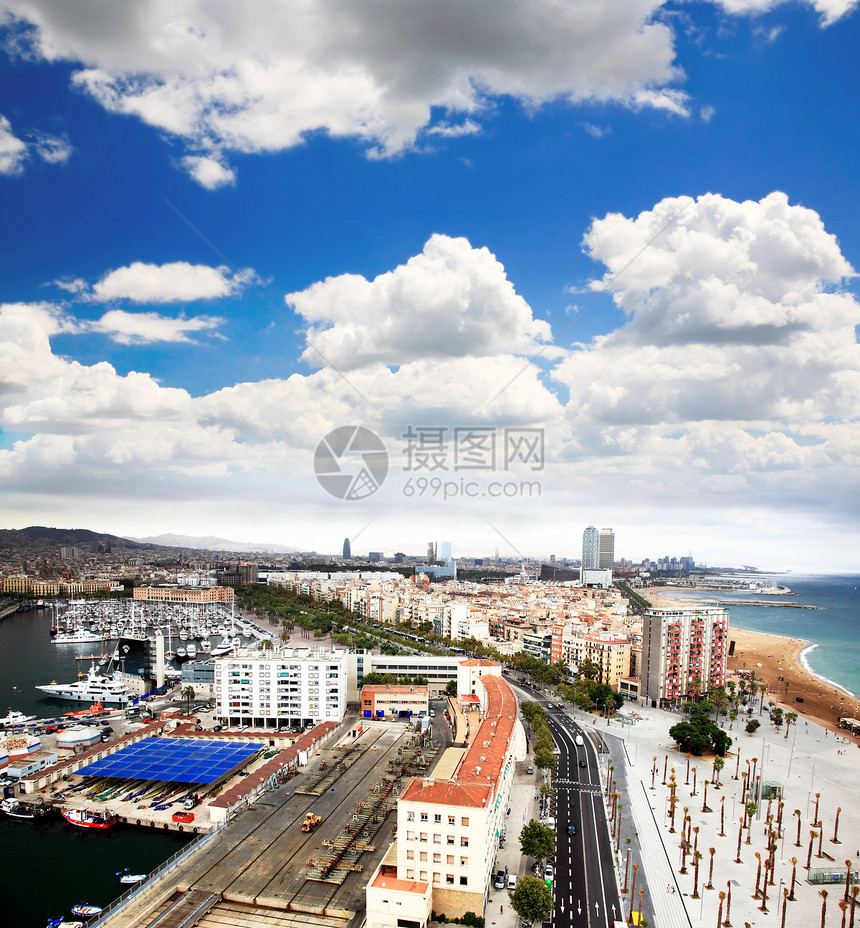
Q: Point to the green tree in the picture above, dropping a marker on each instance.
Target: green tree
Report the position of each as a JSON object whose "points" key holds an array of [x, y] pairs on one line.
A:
{"points": [[545, 758], [531, 900], [589, 670], [451, 688], [188, 695], [537, 841], [752, 726], [719, 698]]}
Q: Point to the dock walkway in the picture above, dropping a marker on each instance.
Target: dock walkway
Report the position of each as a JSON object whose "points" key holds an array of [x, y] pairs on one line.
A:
{"points": [[258, 867]]}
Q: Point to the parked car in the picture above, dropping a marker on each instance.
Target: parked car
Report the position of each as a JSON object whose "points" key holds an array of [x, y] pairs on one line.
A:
{"points": [[548, 872], [512, 881], [500, 880], [550, 822], [530, 769]]}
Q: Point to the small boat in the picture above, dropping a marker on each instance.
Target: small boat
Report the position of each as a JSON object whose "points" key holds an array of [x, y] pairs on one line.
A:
{"points": [[84, 818], [19, 810], [221, 648], [180, 652], [126, 876], [86, 910], [15, 718], [62, 923], [191, 651], [205, 646], [95, 709]]}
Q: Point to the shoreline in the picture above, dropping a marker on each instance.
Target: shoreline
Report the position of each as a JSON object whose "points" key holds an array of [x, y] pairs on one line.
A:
{"points": [[775, 656]]}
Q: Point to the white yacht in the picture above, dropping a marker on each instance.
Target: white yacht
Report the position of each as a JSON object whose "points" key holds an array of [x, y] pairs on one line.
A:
{"points": [[15, 718], [191, 651], [78, 636], [96, 687]]}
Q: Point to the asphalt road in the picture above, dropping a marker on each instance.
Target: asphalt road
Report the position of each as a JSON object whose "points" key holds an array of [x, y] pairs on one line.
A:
{"points": [[585, 890]]}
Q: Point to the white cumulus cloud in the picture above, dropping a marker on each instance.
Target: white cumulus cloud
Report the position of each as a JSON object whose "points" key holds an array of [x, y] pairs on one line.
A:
{"points": [[13, 152], [451, 300], [165, 283], [146, 328], [739, 351], [261, 76]]}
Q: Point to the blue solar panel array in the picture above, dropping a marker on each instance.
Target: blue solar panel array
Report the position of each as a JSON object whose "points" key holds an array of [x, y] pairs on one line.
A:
{"points": [[173, 760]]}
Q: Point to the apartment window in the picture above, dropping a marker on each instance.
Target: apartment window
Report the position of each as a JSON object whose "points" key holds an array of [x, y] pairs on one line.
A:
{"points": [[464, 881], [423, 837], [464, 821], [464, 842], [437, 819], [423, 857], [450, 819], [410, 816], [449, 859], [437, 858], [410, 855], [422, 875], [423, 816], [450, 839], [410, 874], [464, 861], [437, 839], [410, 835], [449, 879]]}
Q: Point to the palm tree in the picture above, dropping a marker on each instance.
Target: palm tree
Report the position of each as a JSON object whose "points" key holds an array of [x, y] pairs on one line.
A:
{"points": [[719, 763], [188, 695]]}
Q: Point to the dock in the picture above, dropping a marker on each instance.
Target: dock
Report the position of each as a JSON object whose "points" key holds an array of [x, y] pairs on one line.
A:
{"points": [[262, 871]]}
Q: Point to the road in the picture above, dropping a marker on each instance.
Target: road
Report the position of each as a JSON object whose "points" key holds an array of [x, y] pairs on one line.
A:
{"points": [[585, 891]]}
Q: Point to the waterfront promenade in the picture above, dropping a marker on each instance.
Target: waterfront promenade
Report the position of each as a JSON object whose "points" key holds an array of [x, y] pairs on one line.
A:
{"points": [[815, 769]]}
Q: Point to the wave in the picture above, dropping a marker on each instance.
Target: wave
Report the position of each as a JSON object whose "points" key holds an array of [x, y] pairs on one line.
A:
{"points": [[804, 660]]}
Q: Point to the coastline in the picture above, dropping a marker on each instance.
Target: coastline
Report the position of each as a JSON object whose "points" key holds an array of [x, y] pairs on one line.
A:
{"points": [[773, 656]]}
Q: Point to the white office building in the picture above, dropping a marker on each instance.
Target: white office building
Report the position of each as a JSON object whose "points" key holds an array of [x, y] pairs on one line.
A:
{"points": [[282, 687]]}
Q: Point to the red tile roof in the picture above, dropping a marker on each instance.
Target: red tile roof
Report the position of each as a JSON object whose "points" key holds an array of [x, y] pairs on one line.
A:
{"points": [[476, 779]]}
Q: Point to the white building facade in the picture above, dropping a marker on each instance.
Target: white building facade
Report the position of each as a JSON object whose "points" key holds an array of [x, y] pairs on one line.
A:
{"points": [[448, 826], [284, 687]]}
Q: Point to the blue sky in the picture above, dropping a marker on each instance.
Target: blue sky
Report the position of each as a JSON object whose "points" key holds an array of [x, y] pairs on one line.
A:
{"points": [[200, 198]]}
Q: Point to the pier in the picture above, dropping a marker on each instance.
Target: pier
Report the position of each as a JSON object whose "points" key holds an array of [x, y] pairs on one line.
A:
{"points": [[261, 870]]}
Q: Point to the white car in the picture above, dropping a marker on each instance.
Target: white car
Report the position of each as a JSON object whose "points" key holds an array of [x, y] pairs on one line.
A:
{"points": [[512, 881], [548, 872], [550, 822]]}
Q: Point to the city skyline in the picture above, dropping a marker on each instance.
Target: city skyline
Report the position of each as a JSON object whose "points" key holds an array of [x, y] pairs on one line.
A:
{"points": [[268, 274]]}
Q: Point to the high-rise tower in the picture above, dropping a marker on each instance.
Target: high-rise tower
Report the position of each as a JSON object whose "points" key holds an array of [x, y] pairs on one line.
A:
{"points": [[590, 548], [606, 549], [347, 548]]}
